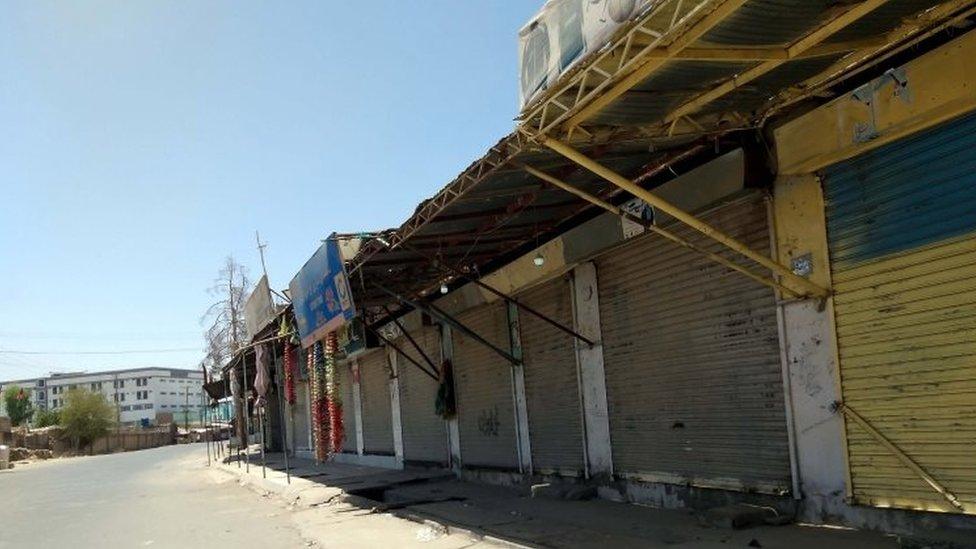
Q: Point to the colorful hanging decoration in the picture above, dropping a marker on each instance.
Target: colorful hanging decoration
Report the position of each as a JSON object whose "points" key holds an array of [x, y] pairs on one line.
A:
{"points": [[290, 373], [336, 430], [310, 368], [320, 407], [291, 350]]}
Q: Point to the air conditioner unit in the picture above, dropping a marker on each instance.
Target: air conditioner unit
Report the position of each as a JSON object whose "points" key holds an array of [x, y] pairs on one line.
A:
{"points": [[602, 17], [548, 45]]}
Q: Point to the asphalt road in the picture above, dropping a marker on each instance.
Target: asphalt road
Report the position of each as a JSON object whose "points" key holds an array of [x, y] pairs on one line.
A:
{"points": [[163, 497]]}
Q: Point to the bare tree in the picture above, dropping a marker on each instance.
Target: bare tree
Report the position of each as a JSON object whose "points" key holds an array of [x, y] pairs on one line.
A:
{"points": [[224, 320]]}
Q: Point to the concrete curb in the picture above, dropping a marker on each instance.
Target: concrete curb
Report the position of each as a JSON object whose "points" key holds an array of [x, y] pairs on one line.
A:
{"points": [[298, 495]]}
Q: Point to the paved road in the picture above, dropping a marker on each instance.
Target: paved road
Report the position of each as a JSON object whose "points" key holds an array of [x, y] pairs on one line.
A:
{"points": [[152, 498]]}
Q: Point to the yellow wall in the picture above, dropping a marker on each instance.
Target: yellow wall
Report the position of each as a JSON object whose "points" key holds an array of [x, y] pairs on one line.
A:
{"points": [[941, 86]]}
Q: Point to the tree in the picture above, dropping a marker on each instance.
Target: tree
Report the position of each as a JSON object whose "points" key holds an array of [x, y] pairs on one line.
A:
{"points": [[86, 416], [224, 319], [46, 418], [18, 404]]}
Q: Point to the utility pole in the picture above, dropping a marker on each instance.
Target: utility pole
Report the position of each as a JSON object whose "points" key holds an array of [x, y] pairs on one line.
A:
{"points": [[264, 267]]}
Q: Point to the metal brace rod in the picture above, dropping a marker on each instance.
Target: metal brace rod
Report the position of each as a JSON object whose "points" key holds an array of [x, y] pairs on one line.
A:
{"points": [[654, 228], [435, 311], [461, 274], [405, 355], [902, 456], [410, 339], [809, 288]]}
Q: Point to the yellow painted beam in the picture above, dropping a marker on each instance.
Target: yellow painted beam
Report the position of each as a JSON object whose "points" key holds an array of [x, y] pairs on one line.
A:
{"points": [[596, 201], [762, 53], [652, 64], [941, 83], [902, 457], [793, 51], [807, 287]]}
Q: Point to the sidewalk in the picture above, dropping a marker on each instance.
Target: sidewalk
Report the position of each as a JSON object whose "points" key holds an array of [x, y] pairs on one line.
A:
{"points": [[457, 511]]}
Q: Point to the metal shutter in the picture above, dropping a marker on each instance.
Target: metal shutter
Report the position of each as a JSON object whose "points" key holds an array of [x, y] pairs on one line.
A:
{"points": [[691, 351], [483, 380], [374, 385], [300, 419], [424, 432], [901, 224], [551, 381], [344, 371]]}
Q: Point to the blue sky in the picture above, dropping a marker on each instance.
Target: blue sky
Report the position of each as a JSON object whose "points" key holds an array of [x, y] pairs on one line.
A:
{"points": [[142, 142]]}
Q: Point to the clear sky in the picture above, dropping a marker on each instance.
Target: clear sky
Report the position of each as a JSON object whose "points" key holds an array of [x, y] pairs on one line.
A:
{"points": [[142, 142]]}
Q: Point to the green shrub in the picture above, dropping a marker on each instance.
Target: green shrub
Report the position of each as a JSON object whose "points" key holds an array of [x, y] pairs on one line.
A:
{"points": [[46, 418], [17, 401], [86, 416]]}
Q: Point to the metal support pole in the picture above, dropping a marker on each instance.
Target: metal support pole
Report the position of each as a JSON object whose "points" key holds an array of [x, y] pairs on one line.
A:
{"points": [[206, 432], [654, 228], [280, 378], [902, 456], [262, 417], [809, 288], [397, 349], [434, 311], [461, 274], [410, 339], [247, 417]]}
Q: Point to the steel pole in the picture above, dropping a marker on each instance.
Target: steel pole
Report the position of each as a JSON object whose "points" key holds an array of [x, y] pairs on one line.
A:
{"points": [[246, 443], [654, 228], [622, 182], [279, 374]]}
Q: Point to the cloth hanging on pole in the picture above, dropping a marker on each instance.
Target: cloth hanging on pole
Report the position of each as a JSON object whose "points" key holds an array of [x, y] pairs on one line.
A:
{"points": [[262, 381], [445, 404]]}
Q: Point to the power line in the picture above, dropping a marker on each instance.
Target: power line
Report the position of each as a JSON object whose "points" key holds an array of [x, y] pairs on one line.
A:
{"points": [[125, 352]]}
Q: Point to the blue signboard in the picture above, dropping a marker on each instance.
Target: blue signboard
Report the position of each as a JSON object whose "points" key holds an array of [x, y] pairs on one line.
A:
{"points": [[321, 295]]}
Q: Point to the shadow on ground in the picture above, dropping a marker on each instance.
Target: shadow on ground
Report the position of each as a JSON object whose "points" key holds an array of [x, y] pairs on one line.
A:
{"points": [[511, 514]]}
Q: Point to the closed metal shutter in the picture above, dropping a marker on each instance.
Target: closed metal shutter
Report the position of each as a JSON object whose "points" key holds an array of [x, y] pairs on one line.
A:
{"points": [[483, 380], [374, 378], [424, 432], [300, 419], [344, 371], [901, 223], [551, 381], [691, 351]]}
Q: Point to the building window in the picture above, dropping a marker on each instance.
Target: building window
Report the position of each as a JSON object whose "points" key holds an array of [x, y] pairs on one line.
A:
{"points": [[40, 382], [148, 406], [96, 386], [142, 395]]}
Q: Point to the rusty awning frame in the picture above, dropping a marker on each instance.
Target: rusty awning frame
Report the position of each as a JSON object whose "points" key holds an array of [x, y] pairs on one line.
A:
{"points": [[668, 31]]}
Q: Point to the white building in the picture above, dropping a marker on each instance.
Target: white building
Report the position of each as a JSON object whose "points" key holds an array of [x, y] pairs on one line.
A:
{"points": [[137, 393]]}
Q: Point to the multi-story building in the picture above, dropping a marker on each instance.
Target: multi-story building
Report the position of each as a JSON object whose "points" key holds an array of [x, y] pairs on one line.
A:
{"points": [[138, 394]]}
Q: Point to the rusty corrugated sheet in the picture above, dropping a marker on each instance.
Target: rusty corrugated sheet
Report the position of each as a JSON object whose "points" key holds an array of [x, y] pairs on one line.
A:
{"points": [[424, 432], [551, 381], [902, 231], [694, 379], [486, 413], [374, 383]]}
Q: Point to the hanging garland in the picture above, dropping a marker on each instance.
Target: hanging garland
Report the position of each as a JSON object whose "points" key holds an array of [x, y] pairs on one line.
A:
{"points": [[310, 367], [290, 374], [321, 407], [336, 430], [290, 359]]}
